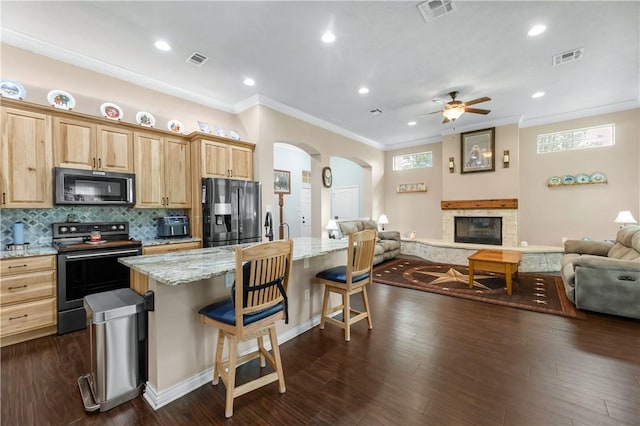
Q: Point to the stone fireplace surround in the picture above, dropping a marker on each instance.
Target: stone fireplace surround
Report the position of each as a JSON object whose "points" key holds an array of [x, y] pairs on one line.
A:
{"points": [[534, 258]]}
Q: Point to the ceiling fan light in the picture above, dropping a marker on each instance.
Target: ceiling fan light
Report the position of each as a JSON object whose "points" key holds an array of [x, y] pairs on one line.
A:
{"points": [[453, 113]]}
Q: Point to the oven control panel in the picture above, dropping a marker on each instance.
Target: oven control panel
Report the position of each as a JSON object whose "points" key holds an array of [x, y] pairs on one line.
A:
{"points": [[76, 229]]}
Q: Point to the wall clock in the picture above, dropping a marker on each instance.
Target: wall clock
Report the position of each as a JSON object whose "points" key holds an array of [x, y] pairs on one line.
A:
{"points": [[327, 177]]}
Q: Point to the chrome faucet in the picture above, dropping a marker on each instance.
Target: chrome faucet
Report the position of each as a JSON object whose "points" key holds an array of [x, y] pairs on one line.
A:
{"points": [[268, 226]]}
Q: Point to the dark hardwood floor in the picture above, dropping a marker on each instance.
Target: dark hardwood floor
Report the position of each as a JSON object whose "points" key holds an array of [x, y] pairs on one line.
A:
{"points": [[430, 360]]}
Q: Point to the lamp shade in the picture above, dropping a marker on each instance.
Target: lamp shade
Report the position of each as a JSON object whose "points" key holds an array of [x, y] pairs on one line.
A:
{"points": [[624, 217], [331, 225], [383, 220]]}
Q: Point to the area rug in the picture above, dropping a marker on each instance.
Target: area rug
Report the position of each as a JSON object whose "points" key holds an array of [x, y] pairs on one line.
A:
{"points": [[533, 292]]}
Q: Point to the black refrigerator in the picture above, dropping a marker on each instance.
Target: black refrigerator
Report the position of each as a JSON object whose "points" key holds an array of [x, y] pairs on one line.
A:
{"points": [[231, 212]]}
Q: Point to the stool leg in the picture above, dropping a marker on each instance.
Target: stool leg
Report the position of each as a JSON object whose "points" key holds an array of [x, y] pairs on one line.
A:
{"points": [[365, 301], [217, 362], [231, 376], [325, 302], [263, 362], [276, 356], [346, 316]]}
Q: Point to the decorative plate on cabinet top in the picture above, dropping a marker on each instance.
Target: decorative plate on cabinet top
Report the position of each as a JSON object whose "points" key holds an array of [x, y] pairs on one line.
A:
{"points": [[234, 135], [111, 111], [61, 99], [555, 180], [12, 90], [145, 119], [204, 127], [175, 126], [598, 177], [220, 131], [582, 178], [568, 180]]}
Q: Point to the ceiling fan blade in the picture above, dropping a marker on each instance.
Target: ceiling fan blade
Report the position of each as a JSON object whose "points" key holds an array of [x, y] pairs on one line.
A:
{"points": [[429, 113], [439, 101], [477, 110], [477, 101]]}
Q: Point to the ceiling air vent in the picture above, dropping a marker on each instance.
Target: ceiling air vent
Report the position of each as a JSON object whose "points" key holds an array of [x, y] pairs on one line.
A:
{"points": [[570, 56], [197, 58], [376, 111], [433, 9]]}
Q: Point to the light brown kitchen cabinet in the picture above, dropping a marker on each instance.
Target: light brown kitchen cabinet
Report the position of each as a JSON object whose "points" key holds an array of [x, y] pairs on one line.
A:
{"points": [[162, 166], [224, 160], [170, 248], [82, 144], [26, 156], [28, 298]]}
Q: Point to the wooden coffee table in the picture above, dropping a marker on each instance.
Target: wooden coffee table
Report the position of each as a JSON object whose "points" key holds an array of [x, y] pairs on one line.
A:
{"points": [[501, 261]]}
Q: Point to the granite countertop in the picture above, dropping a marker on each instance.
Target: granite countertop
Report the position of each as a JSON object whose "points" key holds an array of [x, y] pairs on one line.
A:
{"points": [[200, 264], [31, 251], [163, 241]]}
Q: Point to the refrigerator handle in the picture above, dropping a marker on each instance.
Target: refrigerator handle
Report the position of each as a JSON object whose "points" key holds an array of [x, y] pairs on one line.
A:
{"points": [[204, 194]]}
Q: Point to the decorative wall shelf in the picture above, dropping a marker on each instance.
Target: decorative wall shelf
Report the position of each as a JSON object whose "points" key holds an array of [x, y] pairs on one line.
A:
{"points": [[550, 185]]}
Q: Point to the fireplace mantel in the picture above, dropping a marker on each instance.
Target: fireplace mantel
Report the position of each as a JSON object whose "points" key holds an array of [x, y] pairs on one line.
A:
{"points": [[501, 203]]}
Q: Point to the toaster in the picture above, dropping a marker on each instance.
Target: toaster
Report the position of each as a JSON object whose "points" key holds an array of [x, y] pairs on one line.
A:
{"points": [[173, 226]]}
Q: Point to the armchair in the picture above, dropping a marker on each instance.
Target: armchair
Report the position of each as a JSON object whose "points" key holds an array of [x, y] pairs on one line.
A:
{"points": [[604, 276]]}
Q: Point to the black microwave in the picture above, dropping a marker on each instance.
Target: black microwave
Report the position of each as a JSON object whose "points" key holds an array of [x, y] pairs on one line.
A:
{"points": [[93, 187]]}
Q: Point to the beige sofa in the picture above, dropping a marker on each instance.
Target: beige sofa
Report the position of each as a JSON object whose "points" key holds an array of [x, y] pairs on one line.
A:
{"points": [[387, 244], [604, 276]]}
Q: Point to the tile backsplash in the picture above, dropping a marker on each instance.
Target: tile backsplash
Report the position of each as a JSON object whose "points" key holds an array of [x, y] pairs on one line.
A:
{"points": [[37, 222]]}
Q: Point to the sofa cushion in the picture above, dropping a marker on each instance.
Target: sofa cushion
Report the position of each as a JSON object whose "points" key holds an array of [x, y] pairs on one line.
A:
{"points": [[369, 224], [597, 248], [350, 226], [389, 245]]}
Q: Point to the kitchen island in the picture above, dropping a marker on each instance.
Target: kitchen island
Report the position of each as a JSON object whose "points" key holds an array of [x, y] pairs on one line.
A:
{"points": [[181, 348]]}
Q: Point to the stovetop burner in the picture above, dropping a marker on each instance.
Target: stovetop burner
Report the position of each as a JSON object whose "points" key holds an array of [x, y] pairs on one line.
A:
{"points": [[74, 236]]}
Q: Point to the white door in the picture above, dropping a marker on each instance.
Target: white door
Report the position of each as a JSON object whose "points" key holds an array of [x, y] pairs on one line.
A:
{"points": [[305, 211], [345, 202]]}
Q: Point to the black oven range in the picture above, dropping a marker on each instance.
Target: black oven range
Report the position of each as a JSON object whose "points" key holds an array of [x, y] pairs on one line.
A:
{"points": [[88, 263]]}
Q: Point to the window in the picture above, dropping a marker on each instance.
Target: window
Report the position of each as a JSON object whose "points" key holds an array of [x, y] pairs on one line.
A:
{"points": [[413, 161], [589, 137]]}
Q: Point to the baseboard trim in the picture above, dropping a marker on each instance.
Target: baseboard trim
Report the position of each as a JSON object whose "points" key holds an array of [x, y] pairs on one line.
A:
{"points": [[157, 399]]}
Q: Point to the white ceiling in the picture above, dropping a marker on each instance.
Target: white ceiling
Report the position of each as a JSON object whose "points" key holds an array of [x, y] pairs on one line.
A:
{"points": [[481, 49]]}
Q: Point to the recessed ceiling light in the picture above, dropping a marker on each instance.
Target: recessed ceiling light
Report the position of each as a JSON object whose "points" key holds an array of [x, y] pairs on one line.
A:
{"points": [[537, 30], [411, 123], [537, 95], [328, 37], [162, 45], [249, 82], [363, 90]]}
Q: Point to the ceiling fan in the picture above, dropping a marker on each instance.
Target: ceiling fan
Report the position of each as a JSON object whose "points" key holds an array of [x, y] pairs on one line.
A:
{"points": [[454, 109]]}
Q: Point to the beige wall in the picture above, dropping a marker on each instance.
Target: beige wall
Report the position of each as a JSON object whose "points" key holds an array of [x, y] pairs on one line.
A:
{"points": [[415, 211], [548, 214], [260, 125]]}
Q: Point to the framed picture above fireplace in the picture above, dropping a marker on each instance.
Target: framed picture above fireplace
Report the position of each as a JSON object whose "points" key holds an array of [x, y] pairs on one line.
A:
{"points": [[477, 151]]}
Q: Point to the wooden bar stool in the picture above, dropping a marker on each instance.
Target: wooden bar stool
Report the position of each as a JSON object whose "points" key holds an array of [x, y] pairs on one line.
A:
{"points": [[348, 280], [263, 271]]}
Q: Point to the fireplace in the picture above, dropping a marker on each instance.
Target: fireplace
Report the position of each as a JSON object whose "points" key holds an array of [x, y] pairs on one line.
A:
{"points": [[478, 230]]}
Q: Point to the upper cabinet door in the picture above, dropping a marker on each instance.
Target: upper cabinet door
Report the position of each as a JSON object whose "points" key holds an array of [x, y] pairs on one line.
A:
{"points": [[241, 160], [74, 143], [114, 149], [149, 169], [215, 160], [26, 154], [177, 173]]}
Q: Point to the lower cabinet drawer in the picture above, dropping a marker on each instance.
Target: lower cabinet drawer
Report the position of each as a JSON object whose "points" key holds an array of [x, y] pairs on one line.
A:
{"points": [[23, 287], [27, 316]]}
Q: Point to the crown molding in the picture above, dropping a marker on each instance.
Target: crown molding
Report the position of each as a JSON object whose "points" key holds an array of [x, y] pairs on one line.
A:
{"points": [[301, 115], [589, 112], [44, 48]]}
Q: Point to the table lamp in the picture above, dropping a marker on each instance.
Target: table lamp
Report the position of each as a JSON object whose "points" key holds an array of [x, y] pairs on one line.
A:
{"points": [[383, 220], [625, 218], [332, 226]]}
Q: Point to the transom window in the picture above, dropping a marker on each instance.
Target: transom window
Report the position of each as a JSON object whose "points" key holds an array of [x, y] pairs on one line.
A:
{"points": [[589, 137], [418, 160]]}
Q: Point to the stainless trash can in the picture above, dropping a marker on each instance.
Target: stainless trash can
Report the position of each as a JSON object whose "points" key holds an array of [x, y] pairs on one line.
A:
{"points": [[116, 327]]}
